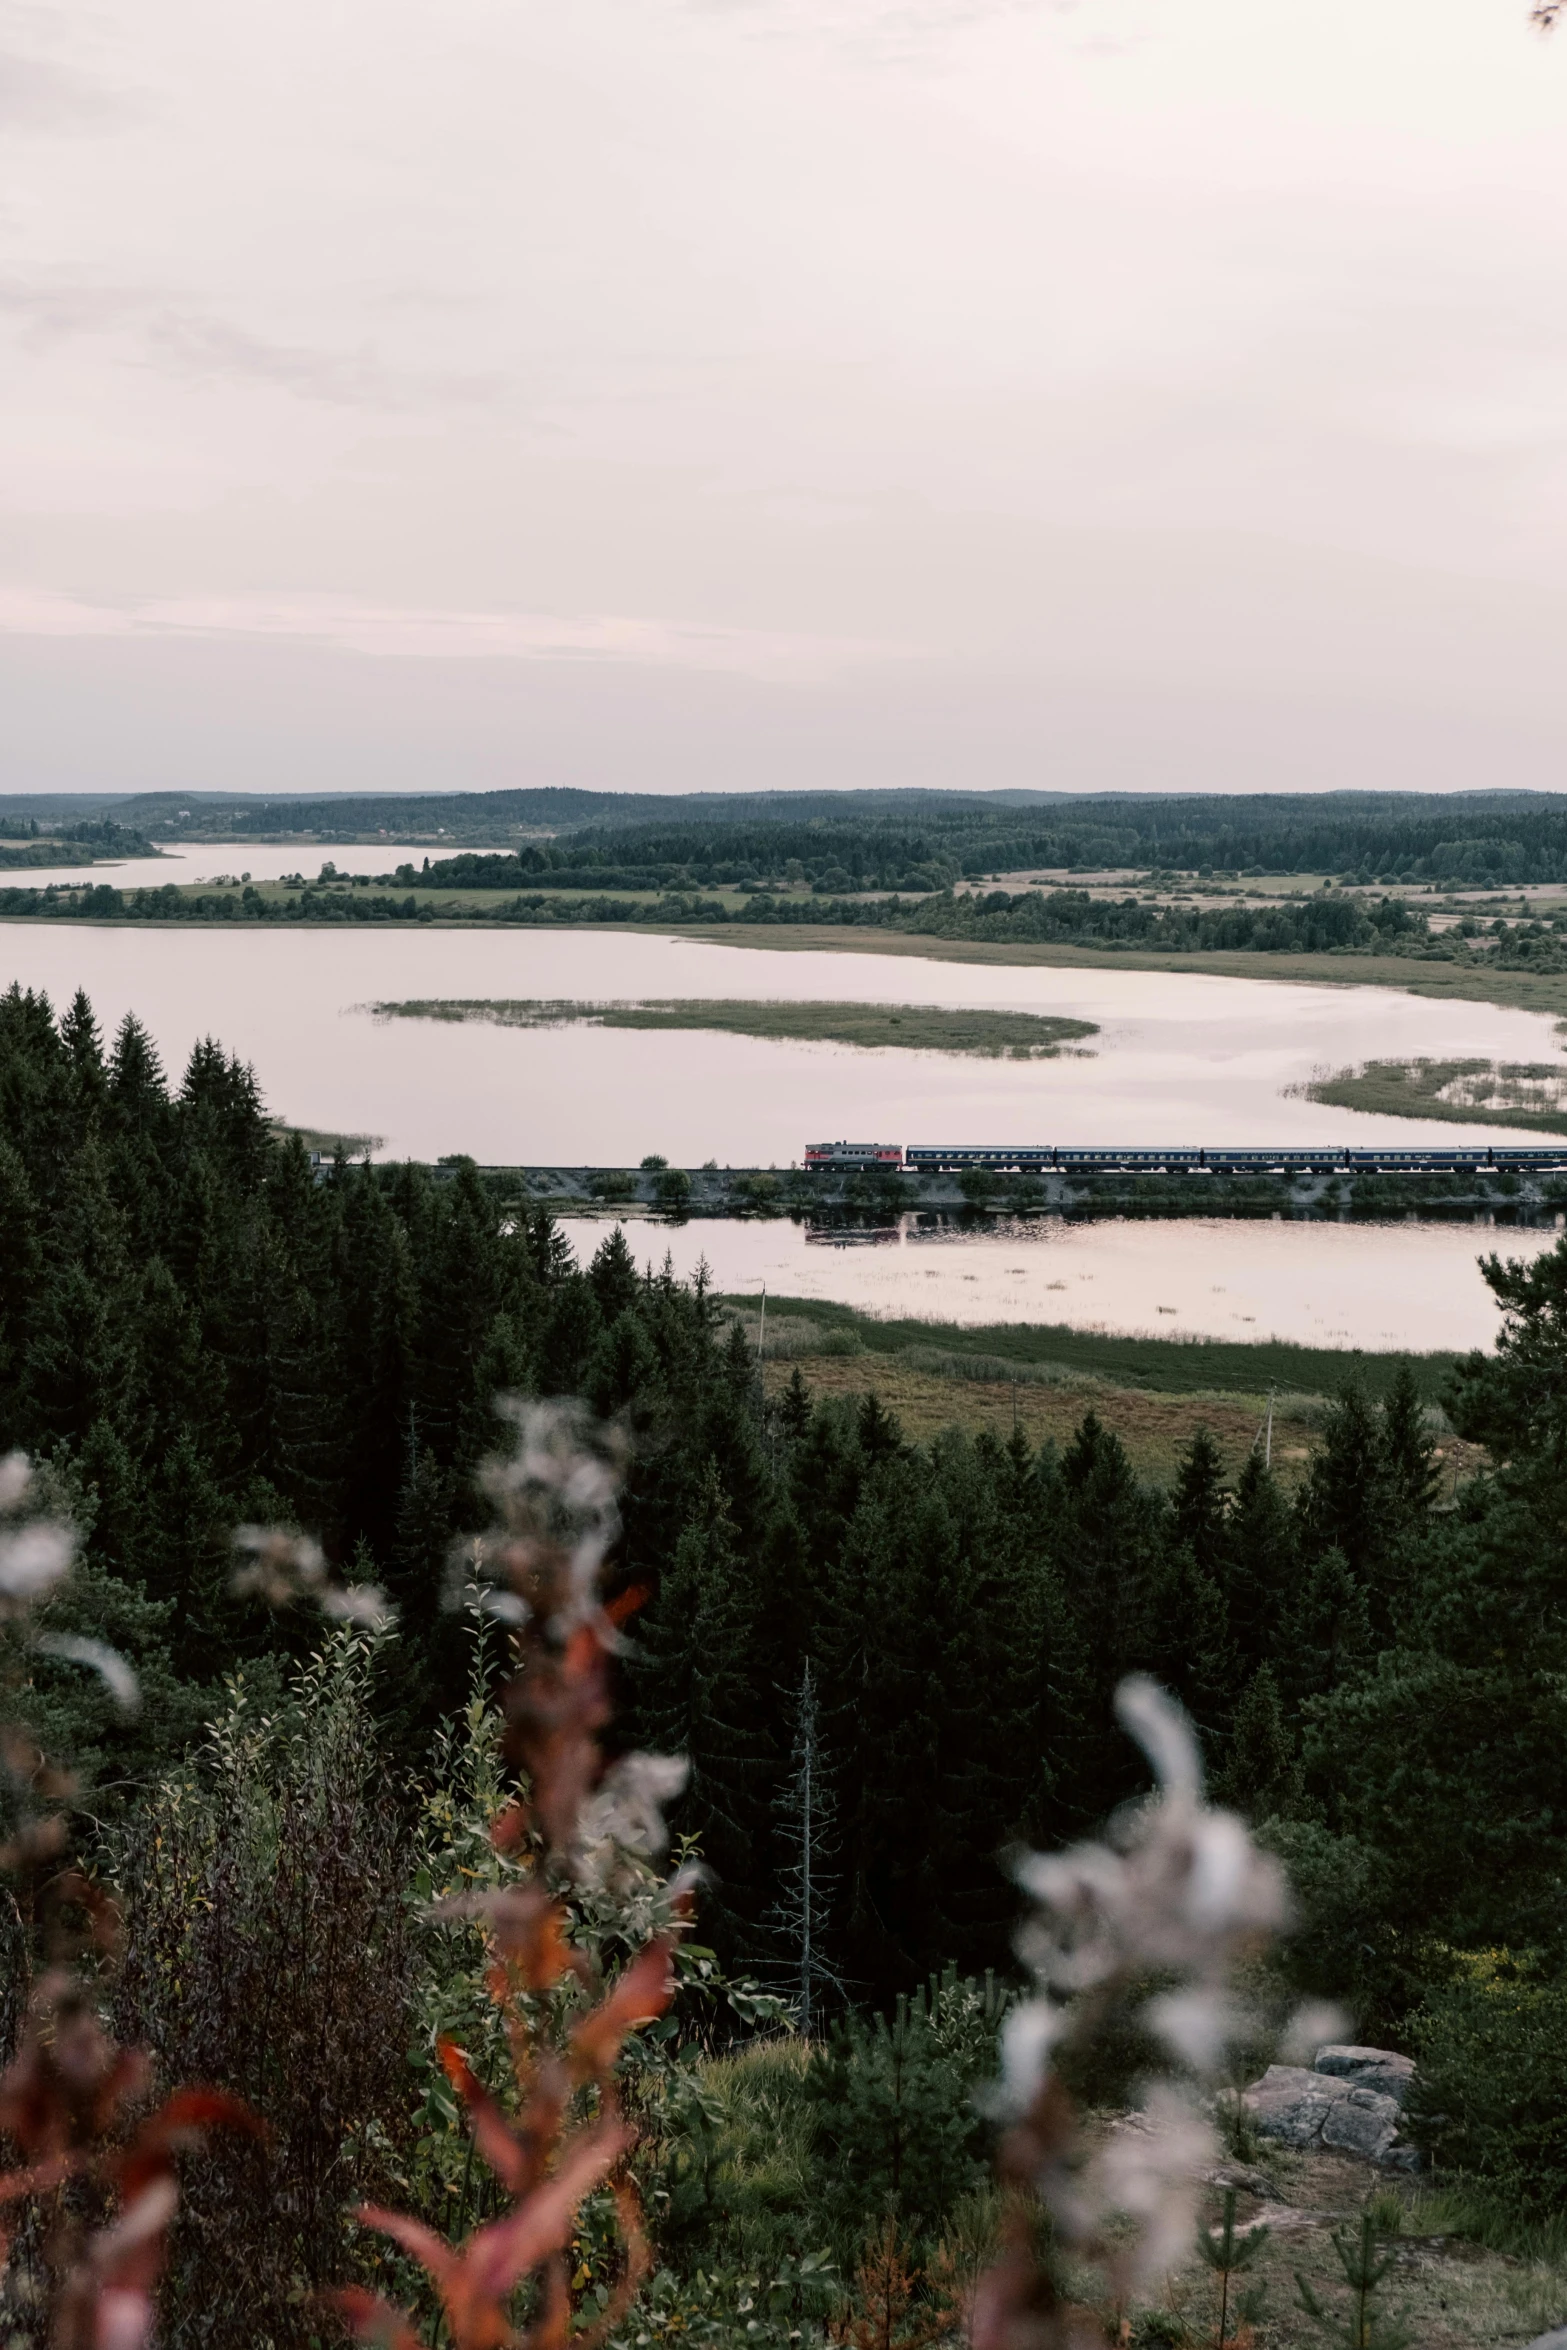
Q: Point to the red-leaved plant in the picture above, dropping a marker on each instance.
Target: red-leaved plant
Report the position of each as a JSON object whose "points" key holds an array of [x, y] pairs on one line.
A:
{"points": [[85, 2210], [508, 2282]]}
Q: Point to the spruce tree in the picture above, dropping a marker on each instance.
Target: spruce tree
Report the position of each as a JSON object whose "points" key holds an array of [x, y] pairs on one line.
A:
{"points": [[1328, 1630], [1345, 1502], [1258, 1563], [794, 1407], [613, 1276], [1199, 1502], [1262, 1774], [703, 1689], [1408, 1452]]}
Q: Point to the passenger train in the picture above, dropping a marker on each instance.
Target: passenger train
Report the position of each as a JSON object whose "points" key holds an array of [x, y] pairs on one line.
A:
{"points": [[924, 1158]]}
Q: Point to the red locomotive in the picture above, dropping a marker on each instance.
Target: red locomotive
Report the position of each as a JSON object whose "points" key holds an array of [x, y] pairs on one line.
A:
{"points": [[854, 1154]]}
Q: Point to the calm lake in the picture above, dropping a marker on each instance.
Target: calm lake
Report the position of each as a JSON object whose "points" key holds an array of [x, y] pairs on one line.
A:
{"points": [[1377, 1286], [1179, 1058]]}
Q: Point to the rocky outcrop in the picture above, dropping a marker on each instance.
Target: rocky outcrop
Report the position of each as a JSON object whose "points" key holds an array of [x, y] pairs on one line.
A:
{"points": [[1350, 2100]]}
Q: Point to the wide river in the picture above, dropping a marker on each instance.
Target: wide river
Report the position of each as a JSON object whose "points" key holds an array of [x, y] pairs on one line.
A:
{"points": [[1179, 1058]]}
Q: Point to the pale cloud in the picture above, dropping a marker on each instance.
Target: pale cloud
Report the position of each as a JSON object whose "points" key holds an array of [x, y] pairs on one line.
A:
{"points": [[383, 632]]}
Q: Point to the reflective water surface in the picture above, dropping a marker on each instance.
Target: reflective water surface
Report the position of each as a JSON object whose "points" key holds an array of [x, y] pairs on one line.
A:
{"points": [[1377, 1286], [1179, 1058], [188, 861]]}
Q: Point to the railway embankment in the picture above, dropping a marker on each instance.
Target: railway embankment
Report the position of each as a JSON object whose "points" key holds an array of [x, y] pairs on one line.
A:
{"points": [[661, 1190]]}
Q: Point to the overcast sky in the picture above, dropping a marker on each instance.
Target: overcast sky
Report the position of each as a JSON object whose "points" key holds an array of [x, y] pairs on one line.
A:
{"points": [[670, 394]]}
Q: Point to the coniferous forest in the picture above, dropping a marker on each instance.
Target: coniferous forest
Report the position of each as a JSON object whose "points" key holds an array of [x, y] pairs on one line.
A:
{"points": [[199, 1330]]}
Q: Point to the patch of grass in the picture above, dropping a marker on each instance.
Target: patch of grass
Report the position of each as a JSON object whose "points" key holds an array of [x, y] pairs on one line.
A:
{"points": [[1526, 991], [1463, 1093], [1047, 1406], [764, 2176], [911, 1027], [1170, 1366], [1461, 2208]]}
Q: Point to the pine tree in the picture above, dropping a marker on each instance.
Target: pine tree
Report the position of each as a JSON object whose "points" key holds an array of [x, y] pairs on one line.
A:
{"points": [[1257, 1563], [703, 1691], [794, 1407], [1262, 1774], [613, 1276], [1408, 1452], [1229, 2251], [1199, 1501], [1345, 1502]]}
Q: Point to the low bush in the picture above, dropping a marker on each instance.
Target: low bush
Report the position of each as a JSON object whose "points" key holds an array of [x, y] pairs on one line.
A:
{"points": [[1491, 2093]]}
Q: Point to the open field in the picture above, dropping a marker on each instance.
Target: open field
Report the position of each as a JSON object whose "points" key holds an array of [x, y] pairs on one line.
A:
{"points": [[1154, 1393], [1153, 1428], [1523, 991], [1486, 1093], [912, 1027]]}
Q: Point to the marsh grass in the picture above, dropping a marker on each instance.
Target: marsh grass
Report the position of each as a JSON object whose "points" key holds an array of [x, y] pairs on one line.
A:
{"points": [[1530, 1094], [1026, 1036], [1171, 1366]]}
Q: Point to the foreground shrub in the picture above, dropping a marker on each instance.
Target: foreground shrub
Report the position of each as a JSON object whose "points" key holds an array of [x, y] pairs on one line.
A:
{"points": [[269, 1951], [1490, 2096], [898, 2132]]}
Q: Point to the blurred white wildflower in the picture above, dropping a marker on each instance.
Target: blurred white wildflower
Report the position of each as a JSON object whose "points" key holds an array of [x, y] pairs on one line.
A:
{"points": [[1314, 2024], [33, 1559], [622, 1822], [110, 1667], [365, 1604], [1152, 2173], [1181, 1896], [282, 1567], [555, 1494], [16, 1476]]}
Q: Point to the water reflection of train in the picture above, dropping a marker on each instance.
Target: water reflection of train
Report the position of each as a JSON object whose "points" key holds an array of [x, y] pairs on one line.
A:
{"points": [[1216, 1159]]}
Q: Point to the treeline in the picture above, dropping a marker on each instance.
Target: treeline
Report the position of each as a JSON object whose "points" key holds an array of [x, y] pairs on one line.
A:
{"points": [[1405, 837], [76, 842], [884, 839], [194, 1332], [1319, 924]]}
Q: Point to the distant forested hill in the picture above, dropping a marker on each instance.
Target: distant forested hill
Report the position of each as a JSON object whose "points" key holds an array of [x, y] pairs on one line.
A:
{"points": [[911, 839]]}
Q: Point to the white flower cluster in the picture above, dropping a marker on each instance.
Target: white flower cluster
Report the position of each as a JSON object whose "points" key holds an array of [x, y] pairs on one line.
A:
{"points": [[282, 1567], [1182, 1896], [556, 1495], [35, 1555]]}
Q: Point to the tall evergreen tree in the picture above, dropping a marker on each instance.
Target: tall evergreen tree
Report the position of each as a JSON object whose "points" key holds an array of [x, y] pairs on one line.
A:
{"points": [[1198, 1502], [700, 1672]]}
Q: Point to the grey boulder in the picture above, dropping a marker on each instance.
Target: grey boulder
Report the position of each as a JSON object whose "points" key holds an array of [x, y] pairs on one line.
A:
{"points": [[1381, 2069], [1350, 2100]]}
